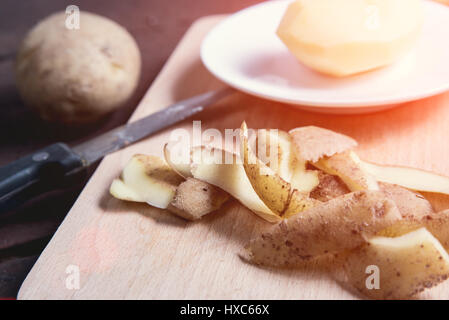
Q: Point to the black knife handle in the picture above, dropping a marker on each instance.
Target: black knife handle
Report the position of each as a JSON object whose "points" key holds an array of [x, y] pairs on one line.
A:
{"points": [[36, 173]]}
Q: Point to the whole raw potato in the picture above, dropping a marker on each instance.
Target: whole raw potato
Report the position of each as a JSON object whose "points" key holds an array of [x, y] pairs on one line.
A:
{"points": [[78, 75]]}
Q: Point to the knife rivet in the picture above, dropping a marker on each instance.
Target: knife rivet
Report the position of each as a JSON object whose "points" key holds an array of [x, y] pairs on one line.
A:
{"points": [[41, 156]]}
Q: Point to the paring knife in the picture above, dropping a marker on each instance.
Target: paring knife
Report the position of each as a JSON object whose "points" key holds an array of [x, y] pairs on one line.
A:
{"points": [[44, 170]]}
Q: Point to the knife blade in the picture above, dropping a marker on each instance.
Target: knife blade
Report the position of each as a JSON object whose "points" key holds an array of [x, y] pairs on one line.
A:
{"points": [[43, 171], [120, 137]]}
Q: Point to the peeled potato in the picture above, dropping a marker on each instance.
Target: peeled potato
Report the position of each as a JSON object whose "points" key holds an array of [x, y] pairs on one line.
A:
{"points": [[345, 37], [407, 265], [337, 225], [76, 76]]}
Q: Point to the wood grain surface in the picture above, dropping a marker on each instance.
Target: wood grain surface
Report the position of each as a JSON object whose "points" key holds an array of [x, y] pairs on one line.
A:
{"points": [[157, 26], [133, 251]]}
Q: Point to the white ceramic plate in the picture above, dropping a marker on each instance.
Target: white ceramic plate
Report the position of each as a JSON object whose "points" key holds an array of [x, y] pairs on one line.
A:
{"points": [[245, 52]]}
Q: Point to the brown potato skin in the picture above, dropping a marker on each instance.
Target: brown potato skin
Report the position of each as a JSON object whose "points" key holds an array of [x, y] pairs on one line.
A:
{"points": [[312, 143], [438, 225], [195, 198], [403, 272], [270, 187], [439, 201], [76, 76], [334, 226], [330, 187], [411, 204], [349, 170]]}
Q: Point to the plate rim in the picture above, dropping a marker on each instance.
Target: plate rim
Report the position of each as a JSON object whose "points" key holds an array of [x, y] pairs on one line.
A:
{"points": [[392, 100]]}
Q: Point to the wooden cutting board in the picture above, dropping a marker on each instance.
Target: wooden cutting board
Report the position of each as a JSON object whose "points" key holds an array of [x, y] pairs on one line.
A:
{"points": [[133, 251]]}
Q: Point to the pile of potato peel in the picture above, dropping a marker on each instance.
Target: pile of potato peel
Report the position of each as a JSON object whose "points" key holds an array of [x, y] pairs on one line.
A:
{"points": [[324, 200]]}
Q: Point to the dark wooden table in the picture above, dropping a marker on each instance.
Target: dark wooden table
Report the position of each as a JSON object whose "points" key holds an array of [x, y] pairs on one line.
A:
{"points": [[157, 26]]}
